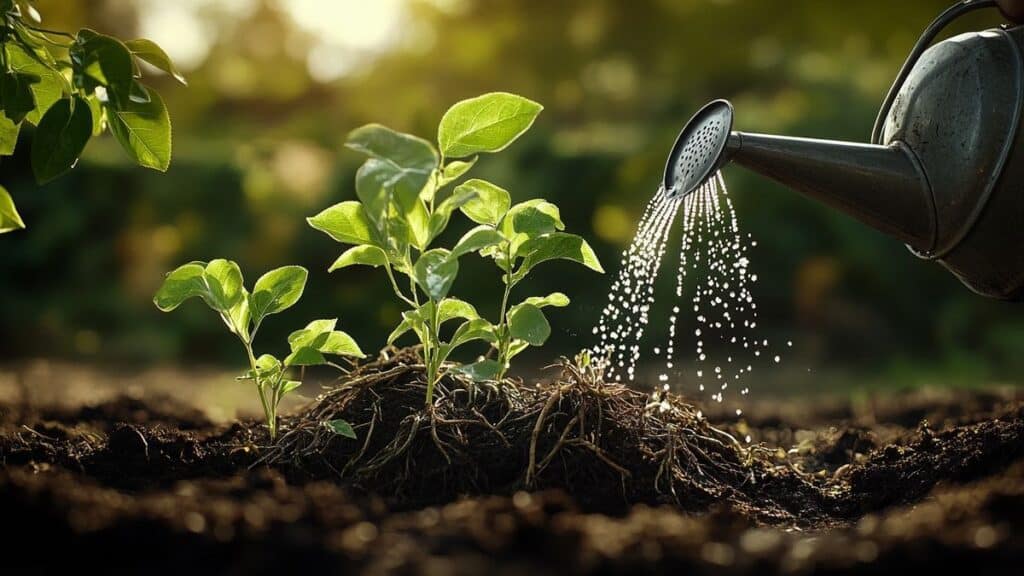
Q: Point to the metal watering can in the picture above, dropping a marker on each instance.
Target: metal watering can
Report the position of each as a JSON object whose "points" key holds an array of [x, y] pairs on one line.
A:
{"points": [[944, 171]]}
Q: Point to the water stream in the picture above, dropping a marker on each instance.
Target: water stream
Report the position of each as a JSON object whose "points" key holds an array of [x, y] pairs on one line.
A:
{"points": [[713, 256]]}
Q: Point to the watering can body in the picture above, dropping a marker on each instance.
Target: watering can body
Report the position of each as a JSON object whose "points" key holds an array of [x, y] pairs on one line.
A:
{"points": [[945, 170], [959, 113]]}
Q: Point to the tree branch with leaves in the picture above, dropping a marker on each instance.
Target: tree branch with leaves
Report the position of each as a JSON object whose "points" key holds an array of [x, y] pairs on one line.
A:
{"points": [[72, 87]]}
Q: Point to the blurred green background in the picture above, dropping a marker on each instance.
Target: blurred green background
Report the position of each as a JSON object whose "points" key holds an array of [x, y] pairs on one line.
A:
{"points": [[275, 85]]}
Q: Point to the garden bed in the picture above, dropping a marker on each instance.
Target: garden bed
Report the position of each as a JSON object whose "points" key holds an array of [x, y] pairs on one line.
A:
{"points": [[565, 476]]}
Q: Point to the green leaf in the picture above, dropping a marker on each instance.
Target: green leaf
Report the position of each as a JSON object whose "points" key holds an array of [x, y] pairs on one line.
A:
{"points": [[277, 291], [475, 329], [532, 218], [403, 151], [528, 323], [223, 279], [442, 214], [418, 219], [435, 272], [181, 284], [99, 122], [268, 367], [288, 386], [481, 371], [341, 428], [314, 335], [374, 188], [366, 255], [345, 222], [404, 326], [51, 83], [144, 131], [489, 204], [138, 93], [556, 299], [320, 336], [382, 182], [455, 169], [516, 347], [385, 191], [454, 308], [486, 123], [16, 97], [218, 284], [341, 344], [60, 138], [153, 54], [8, 135], [103, 60], [477, 239], [305, 357], [238, 317], [557, 245], [9, 218]]}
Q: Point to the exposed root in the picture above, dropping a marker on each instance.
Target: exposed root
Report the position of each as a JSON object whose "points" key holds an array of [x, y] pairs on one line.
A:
{"points": [[497, 438]]}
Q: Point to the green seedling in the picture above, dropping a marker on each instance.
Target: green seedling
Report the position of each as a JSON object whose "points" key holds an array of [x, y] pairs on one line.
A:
{"points": [[404, 205], [219, 284], [518, 238], [72, 87]]}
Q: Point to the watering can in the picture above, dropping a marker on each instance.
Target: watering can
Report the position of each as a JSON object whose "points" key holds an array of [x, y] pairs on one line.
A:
{"points": [[944, 171]]}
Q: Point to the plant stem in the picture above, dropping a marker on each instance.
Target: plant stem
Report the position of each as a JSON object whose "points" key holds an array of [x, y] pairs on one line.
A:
{"points": [[433, 365], [394, 285], [269, 411], [505, 339]]}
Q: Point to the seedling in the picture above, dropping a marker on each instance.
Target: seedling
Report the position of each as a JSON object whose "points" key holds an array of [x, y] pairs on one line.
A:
{"points": [[73, 87], [402, 208], [518, 239], [219, 284]]}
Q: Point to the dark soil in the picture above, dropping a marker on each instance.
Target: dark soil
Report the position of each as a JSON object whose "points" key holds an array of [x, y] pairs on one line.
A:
{"points": [[571, 476]]}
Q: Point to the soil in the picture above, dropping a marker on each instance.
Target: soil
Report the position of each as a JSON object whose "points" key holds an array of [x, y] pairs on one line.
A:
{"points": [[567, 476]]}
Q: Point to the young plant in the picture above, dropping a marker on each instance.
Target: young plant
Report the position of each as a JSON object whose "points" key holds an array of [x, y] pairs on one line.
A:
{"points": [[403, 207], [518, 239], [73, 87], [219, 284]]}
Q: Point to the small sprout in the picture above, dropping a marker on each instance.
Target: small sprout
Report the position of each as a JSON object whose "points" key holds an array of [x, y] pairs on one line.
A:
{"points": [[219, 284], [341, 428]]}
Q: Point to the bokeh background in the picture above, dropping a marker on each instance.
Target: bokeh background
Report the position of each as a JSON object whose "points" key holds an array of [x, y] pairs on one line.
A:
{"points": [[275, 86]]}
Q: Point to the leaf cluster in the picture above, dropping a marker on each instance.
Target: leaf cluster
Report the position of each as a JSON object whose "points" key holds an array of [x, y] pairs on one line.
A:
{"points": [[220, 285], [72, 87], [404, 203]]}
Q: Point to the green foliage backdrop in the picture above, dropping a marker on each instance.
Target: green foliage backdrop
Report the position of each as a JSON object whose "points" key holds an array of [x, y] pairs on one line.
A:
{"points": [[259, 146]]}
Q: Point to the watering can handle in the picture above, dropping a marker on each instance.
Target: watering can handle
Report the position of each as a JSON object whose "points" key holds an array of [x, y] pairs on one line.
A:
{"points": [[1012, 10]]}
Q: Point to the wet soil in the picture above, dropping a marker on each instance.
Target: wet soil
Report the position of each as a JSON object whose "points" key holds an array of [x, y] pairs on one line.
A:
{"points": [[604, 481]]}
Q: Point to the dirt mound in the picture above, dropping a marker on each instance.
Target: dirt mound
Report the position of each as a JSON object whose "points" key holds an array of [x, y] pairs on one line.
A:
{"points": [[608, 445], [572, 476]]}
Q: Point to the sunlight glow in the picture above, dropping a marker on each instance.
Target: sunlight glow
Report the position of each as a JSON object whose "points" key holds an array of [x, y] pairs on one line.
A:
{"points": [[180, 29], [348, 32], [345, 33]]}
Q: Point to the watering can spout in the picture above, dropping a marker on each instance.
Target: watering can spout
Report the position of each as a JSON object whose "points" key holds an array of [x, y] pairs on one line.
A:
{"points": [[884, 187]]}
